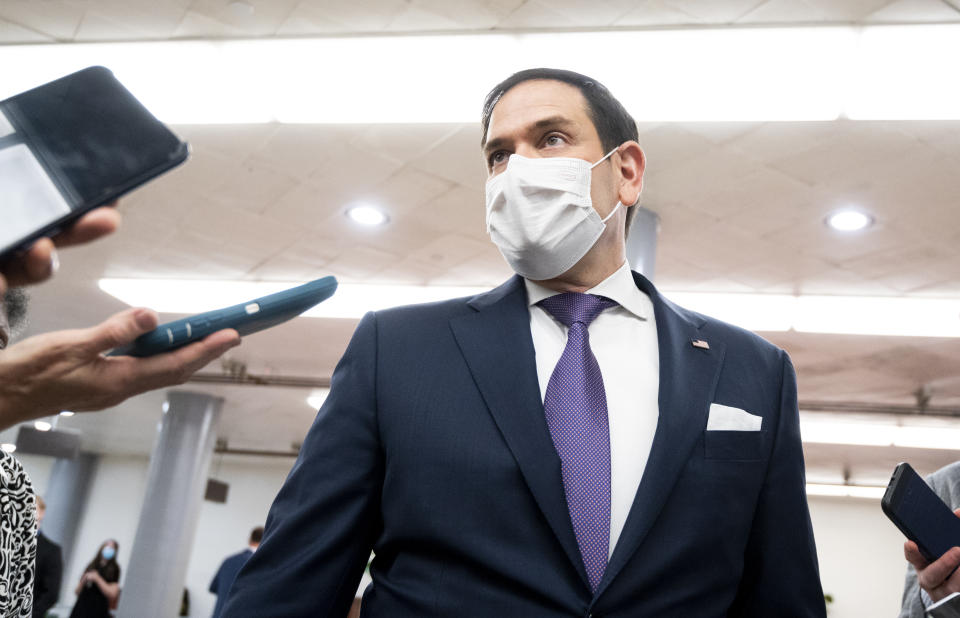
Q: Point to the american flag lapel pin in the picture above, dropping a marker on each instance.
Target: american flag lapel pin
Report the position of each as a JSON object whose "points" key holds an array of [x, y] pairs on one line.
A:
{"points": [[700, 343]]}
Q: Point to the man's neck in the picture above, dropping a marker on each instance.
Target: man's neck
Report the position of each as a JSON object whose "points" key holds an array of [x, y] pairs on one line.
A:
{"points": [[583, 277]]}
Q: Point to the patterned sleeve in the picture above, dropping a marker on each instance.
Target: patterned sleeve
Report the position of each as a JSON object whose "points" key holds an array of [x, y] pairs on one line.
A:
{"points": [[18, 539]]}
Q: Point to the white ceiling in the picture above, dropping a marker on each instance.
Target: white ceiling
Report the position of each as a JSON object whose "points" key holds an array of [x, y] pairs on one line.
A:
{"points": [[741, 204], [28, 21]]}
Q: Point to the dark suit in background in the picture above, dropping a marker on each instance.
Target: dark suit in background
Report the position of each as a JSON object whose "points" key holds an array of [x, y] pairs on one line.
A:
{"points": [[220, 585], [432, 448], [49, 576]]}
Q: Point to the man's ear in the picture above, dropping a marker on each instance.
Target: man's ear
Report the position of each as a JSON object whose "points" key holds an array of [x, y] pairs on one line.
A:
{"points": [[632, 164]]}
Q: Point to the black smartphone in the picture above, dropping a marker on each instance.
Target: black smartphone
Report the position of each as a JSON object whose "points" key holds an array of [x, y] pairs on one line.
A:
{"points": [[71, 145], [246, 318], [919, 513]]}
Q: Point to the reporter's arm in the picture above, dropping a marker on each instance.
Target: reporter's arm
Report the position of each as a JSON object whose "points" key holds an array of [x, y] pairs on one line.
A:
{"points": [[66, 370]]}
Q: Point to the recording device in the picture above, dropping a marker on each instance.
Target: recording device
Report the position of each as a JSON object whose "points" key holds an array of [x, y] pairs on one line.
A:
{"points": [[920, 514], [246, 318], [69, 146]]}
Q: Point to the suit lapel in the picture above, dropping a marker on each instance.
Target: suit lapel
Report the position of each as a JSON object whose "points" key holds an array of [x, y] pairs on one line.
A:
{"points": [[498, 348], [688, 379]]}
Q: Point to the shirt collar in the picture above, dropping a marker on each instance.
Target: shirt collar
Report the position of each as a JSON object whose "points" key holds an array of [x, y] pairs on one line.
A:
{"points": [[619, 287]]}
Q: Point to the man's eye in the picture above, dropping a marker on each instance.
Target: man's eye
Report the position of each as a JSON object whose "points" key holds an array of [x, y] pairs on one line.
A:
{"points": [[498, 157], [554, 140]]}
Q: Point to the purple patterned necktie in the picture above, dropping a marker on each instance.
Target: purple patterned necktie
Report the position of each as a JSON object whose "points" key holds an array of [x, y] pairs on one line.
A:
{"points": [[576, 407]]}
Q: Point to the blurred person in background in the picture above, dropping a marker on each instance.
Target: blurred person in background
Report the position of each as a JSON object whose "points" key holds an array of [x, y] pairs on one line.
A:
{"points": [[228, 570], [49, 569], [98, 589]]}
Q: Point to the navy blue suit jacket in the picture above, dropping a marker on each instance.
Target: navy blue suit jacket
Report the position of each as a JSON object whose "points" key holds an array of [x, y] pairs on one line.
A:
{"points": [[223, 580], [433, 450]]}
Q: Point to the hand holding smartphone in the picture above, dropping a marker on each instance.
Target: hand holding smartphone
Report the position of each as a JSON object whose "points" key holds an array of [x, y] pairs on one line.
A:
{"points": [[72, 145], [920, 514], [252, 316]]}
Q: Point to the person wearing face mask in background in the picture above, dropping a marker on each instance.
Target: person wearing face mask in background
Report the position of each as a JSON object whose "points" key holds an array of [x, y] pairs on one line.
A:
{"points": [[98, 590], [568, 444]]}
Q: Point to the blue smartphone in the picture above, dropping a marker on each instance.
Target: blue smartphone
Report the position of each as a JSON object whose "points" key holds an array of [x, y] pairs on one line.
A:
{"points": [[920, 514], [246, 318]]}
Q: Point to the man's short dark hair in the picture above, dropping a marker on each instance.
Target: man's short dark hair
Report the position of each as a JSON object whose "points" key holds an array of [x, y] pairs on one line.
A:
{"points": [[613, 123], [256, 535]]}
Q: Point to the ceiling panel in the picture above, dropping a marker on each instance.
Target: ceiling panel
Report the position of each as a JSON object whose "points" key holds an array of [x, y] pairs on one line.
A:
{"points": [[107, 20]]}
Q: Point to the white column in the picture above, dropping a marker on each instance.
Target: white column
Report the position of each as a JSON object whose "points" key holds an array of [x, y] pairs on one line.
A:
{"points": [[155, 578]]}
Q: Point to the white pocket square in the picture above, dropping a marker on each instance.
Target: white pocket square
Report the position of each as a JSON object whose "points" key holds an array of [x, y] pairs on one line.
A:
{"points": [[727, 418]]}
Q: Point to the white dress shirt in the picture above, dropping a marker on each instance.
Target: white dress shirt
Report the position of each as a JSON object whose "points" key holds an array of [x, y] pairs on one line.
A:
{"points": [[624, 341]]}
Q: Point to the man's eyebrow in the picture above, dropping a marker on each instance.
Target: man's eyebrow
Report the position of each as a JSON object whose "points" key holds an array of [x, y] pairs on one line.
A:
{"points": [[552, 121]]}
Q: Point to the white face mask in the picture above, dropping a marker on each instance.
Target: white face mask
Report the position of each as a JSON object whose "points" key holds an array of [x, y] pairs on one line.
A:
{"points": [[540, 214]]}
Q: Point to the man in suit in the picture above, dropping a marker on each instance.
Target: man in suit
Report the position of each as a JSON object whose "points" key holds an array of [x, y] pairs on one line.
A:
{"points": [[49, 569], [568, 444], [220, 585]]}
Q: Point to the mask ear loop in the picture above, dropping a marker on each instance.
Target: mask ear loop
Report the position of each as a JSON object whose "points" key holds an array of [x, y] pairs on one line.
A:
{"points": [[619, 204], [605, 157], [612, 212]]}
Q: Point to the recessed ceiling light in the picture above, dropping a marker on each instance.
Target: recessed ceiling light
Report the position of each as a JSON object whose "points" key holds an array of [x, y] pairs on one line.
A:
{"points": [[66, 413], [8, 447], [849, 220], [42, 426], [367, 215]]}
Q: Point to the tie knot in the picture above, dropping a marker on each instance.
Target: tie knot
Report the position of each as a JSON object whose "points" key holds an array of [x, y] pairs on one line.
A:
{"points": [[572, 307]]}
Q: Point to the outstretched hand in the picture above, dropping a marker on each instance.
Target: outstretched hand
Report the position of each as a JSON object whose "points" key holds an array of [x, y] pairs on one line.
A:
{"points": [[67, 370]]}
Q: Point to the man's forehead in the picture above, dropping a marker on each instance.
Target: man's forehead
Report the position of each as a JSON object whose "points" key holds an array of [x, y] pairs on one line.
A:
{"points": [[532, 101]]}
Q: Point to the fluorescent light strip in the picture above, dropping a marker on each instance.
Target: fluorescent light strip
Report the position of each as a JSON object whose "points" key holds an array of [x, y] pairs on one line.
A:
{"points": [[880, 430], [872, 492], [351, 300], [848, 315], [754, 74], [856, 315]]}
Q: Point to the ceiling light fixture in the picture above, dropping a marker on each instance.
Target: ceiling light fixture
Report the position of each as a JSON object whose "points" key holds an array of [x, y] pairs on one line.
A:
{"points": [[42, 426], [365, 214], [851, 315], [873, 492], [352, 300], [849, 220], [804, 73], [66, 413], [880, 430], [848, 315]]}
